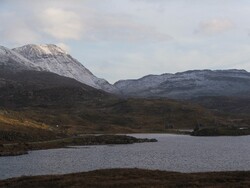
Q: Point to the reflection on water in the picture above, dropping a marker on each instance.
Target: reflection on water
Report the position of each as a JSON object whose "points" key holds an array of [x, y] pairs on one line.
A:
{"points": [[172, 153]]}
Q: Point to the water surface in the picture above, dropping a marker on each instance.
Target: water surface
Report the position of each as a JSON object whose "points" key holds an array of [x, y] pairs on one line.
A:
{"points": [[180, 153]]}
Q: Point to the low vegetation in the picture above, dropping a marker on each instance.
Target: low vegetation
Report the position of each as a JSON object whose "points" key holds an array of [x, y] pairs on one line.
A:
{"points": [[29, 124], [124, 178]]}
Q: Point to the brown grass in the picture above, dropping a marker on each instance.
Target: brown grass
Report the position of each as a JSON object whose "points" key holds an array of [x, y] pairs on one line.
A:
{"points": [[108, 116], [124, 178]]}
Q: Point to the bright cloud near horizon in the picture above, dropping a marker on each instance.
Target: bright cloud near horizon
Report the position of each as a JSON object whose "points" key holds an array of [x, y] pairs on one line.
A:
{"points": [[124, 39]]}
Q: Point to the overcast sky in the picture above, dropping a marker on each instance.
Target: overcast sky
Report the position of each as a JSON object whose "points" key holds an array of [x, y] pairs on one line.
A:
{"points": [[120, 39]]}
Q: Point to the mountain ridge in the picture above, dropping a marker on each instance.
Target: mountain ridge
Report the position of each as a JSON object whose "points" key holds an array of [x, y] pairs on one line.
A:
{"points": [[10, 60], [188, 84], [180, 85], [51, 58]]}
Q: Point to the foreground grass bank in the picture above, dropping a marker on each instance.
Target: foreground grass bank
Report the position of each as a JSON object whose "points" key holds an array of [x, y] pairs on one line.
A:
{"points": [[133, 178], [23, 148]]}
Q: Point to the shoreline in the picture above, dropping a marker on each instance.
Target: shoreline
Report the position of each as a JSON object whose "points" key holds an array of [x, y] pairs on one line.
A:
{"points": [[16, 149], [133, 178], [22, 148]]}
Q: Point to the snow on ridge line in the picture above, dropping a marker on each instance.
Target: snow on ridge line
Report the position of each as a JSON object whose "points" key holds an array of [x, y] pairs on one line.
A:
{"points": [[49, 49], [8, 54], [52, 58]]}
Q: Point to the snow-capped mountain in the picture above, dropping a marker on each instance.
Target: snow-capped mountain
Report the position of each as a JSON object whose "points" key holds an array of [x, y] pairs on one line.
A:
{"points": [[189, 84], [184, 85], [51, 58], [13, 61]]}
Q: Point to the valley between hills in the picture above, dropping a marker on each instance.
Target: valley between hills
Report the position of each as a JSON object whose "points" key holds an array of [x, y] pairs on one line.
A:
{"points": [[46, 95]]}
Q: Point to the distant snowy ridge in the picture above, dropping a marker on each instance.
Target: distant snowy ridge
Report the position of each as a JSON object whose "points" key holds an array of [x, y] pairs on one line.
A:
{"points": [[189, 84]]}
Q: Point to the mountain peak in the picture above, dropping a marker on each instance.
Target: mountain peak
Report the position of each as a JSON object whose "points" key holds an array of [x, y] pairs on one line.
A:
{"points": [[50, 48], [42, 49], [52, 58]]}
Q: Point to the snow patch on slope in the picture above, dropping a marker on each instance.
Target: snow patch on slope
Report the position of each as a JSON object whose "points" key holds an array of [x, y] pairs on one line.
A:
{"points": [[51, 58], [15, 61]]}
